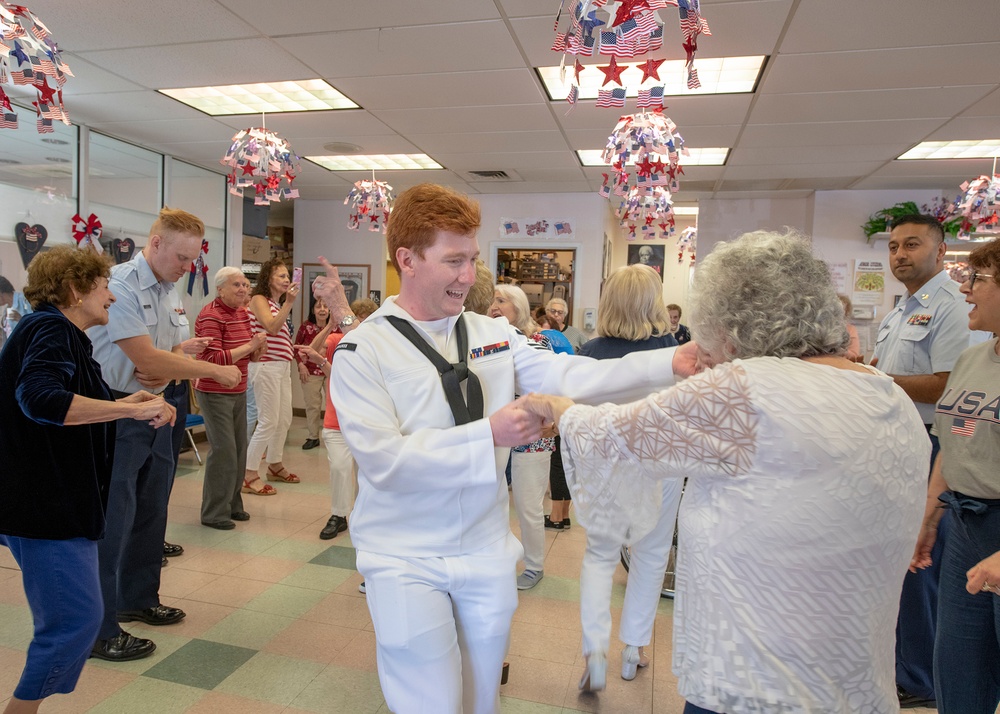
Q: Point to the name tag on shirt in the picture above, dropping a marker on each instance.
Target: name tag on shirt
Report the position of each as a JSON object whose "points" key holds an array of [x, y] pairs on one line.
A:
{"points": [[487, 350], [920, 320]]}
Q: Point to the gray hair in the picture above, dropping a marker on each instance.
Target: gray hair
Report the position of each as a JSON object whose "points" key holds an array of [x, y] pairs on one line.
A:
{"points": [[522, 310], [223, 274], [559, 301], [764, 294]]}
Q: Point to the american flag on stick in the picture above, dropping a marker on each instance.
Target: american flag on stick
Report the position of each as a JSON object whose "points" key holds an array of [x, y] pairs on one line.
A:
{"points": [[611, 97], [652, 97]]}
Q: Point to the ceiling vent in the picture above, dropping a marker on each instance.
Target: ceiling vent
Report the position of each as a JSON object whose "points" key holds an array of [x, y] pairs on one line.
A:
{"points": [[493, 176]]}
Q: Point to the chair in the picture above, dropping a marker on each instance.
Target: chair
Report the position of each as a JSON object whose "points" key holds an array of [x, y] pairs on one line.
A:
{"points": [[193, 420]]}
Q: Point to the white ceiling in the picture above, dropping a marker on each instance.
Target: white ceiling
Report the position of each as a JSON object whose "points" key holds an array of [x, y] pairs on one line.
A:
{"points": [[848, 86]]}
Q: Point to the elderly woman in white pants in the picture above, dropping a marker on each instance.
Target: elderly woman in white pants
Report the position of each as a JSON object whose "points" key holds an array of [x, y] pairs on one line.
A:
{"points": [[529, 463]]}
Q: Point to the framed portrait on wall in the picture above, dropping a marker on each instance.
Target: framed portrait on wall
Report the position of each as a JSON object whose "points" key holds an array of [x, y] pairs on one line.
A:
{"points": [[648, 254], [355, 279]]}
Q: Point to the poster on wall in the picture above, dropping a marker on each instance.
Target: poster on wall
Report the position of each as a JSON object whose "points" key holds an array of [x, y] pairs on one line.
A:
{"points": [[869, 282], [648, 254], [840, 273], [536, 228]]}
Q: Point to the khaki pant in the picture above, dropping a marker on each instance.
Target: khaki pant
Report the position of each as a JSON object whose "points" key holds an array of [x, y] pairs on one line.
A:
{"points": [[314, 394]]}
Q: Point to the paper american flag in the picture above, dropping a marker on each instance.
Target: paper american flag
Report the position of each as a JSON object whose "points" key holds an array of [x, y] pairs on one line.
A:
{"points": [[652, 97], [611, 98], [963, 427]]}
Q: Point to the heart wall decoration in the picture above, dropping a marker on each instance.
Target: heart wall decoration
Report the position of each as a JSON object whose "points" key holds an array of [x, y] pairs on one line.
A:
{"points": [[123, 250], [30, 240]]}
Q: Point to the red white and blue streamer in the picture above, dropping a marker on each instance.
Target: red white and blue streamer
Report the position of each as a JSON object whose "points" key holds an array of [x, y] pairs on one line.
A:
{"points": [[263, 160], [199, 268], [371, 203]]}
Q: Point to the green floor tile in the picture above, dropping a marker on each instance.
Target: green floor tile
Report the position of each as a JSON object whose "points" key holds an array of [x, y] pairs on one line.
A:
{"points": [[336, 556], [274, 678], [150, 696], [245, 628], [166, 645], [339, 689], [203, 536], [286, 600], [317, 577], [249, 543], [510, 705], [201, 663], [557, 588], [300, 550], [15, 625]]}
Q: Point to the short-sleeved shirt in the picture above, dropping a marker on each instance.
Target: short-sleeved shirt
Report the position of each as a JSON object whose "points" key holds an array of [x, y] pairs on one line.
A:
{"points": [[143, 305], [925, 333]]}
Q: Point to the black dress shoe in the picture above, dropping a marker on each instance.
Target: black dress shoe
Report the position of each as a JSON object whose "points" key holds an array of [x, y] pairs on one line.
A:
{"points": [[240, 516], [553, 525], [221, 525], [171, 550], [912, 701], [164, 562], [335, 525], [310, 444], [159, 615], [122, 648]]}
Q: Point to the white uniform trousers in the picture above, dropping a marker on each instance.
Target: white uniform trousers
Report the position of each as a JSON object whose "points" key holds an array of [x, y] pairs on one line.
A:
{"points": [[529, 479], [343, 473], [645, 579], [442, 627], [272, 388]]}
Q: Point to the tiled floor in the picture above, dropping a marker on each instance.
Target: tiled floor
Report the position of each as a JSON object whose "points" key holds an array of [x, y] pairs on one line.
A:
{"points": [[275, 622]]}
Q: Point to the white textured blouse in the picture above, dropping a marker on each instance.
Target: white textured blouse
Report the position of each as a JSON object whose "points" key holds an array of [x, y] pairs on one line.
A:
{"points": [[806, 489]]}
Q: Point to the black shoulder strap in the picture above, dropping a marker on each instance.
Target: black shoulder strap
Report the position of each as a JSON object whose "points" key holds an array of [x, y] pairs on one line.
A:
{"points": [[452, 375]]}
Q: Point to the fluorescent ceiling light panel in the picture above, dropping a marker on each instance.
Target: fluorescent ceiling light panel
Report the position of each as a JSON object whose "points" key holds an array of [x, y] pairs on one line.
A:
{"points": [[976, 149], [698, 157], [306, 95], [377, 162], [718, 75], [685, 210]]}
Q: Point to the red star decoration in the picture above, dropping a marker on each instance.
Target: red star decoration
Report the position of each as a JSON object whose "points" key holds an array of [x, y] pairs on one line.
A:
{"points": [[273, 181], [657, 167], [45, 92], [577, 68], [691, 46], [666, 229], [290, 176], [261, 187], [651, 68], [247, 169], [649, 220], [627, 9], [612, 72], [644, 167], [231, 179]]}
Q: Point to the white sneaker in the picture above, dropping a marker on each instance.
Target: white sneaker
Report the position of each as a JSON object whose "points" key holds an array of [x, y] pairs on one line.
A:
{"points": [[361, 588], [529, 579]]}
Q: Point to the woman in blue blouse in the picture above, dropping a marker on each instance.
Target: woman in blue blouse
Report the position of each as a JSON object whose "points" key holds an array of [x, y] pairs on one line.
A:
{"points": [[56, 450]]}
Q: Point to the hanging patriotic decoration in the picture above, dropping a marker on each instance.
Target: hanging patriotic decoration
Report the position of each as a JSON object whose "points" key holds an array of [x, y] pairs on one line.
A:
{"points": [[623, 29], [978, 205], [199, 267], [687, 242], [87, 233], [29, 56], [371, 203], [649, 140], [261, 159]]}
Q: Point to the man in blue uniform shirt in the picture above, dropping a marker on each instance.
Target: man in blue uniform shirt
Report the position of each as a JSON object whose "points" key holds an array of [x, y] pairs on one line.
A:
{"points": [[140, 348]]}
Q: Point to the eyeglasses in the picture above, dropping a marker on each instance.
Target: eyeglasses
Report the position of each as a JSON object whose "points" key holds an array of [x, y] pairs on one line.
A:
{"points": [[553, 311], [973, 277]]}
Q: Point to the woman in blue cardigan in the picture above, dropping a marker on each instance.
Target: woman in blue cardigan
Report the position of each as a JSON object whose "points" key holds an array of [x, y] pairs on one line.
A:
{"points": [[56, 450]]}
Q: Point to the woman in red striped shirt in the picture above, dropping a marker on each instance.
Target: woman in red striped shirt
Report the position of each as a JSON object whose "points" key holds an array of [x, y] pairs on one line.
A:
{"points": [[271, 377]]}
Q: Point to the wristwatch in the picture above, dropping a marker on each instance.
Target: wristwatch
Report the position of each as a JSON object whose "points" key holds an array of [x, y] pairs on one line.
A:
{"points": [[347, 321]]}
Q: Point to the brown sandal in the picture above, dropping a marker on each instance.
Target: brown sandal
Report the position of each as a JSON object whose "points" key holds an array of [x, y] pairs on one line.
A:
{"points": [[282, 475], [265, 490]]}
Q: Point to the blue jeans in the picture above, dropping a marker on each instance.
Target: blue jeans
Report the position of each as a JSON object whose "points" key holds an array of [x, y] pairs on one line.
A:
{"points": [[60, 581], [967, 652]]}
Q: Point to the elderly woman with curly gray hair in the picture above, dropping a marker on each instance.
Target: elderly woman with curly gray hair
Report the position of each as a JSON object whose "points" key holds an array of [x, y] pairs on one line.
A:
{"points": [[806, 480]]}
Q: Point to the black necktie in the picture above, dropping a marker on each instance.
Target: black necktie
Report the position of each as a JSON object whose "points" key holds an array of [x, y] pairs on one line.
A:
{"points": [[452, 375]]}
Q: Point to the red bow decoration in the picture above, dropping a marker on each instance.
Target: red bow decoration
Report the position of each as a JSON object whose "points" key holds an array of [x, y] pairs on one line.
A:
{"points": [[88, 232]]}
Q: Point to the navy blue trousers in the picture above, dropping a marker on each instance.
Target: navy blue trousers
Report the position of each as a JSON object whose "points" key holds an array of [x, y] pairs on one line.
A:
{"points": [[132, 548], [60, 581], [177, 396], [917, 621]]}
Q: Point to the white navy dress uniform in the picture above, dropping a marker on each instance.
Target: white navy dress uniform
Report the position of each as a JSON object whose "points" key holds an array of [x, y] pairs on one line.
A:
{"points": [[431, 523]]}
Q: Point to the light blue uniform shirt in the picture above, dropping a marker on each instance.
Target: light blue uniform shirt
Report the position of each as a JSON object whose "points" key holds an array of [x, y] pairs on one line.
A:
{"points": [[925, 333], [143, 306]]}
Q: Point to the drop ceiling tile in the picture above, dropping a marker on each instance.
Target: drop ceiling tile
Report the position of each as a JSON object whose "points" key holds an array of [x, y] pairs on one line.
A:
{"points": [[468, 46], [332, 124], [554, 175], [968, 128], [799, 171], [532, 187], [108, 24], [989, 106], [878, 69], [881, 104], [443, 89], [956, 170], [527, 117], [168, 130], [868, 133], [814, 154], [913, 183], [375, 144], [862, 25], [685, 111], [489, 142], [302, 16], [203, 63], [518, 161]]}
